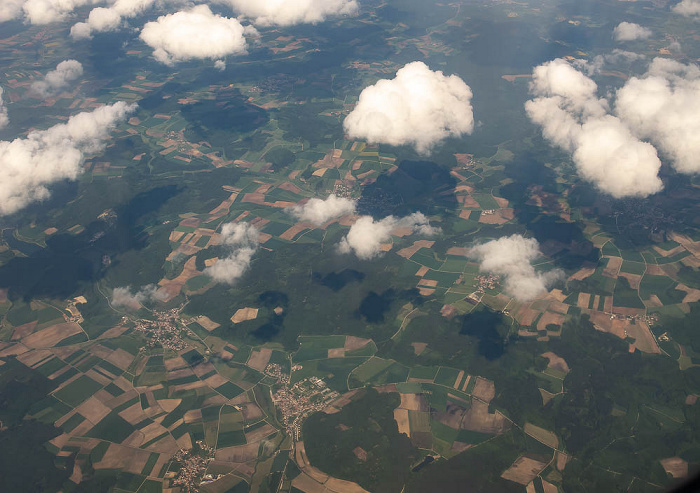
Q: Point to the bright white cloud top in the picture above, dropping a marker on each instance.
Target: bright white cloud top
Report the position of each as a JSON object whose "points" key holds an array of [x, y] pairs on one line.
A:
{"points": [[629, 31], [366, 236], [419, 107], [511, 258], [67, 72], [48, 11], [688, 8], [242, 241], [105, 19], [318, 211], [195, 34], [664, 106], [605, 151], [29, 165], [287, 13], [4, 119]]}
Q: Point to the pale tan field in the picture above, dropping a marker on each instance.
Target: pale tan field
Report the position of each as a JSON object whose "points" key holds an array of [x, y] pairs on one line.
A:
{"points": [[414, 402], [675, 466], [478, 418], [556, 362], [125, 458], [644, 339], [484, 389], [244, 314], [93, 410], [352, 343], [336, 353], [401, 418], [613, 268], [523, 470], [260, 433], [259, 358], [544, 436], [51, 336]]}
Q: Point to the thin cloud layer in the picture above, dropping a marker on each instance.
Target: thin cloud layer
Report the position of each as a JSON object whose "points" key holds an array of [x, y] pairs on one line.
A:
{"points": [[67, 72], [366, 236], [688, 8], [29, 165], [616, 58], [287, 13], [419, 107], [605, 151], [629, 31], [318, 211], [510, 257], [242, 241], [664, 106], [195, 34], [123, 297], [4, 119], [105, 19]]}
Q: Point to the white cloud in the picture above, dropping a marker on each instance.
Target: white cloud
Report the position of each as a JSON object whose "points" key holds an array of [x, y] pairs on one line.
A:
{"points": [[124, 297], [4, 119], [604, 149], [10, 9], [57, 80], [419, 107], [105, 19], [616, 58], [29, 165], [48, 11], [319, 211], [688, 8], [629, 31], [195, 33], [220, 65], [286, 12], [664, 106], [367, 235], [511, 257], [242, 241]]}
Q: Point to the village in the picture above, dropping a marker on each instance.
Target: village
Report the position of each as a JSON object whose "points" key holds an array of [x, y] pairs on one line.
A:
{"points": [[192, 465], [166, 331], [300, 400]]}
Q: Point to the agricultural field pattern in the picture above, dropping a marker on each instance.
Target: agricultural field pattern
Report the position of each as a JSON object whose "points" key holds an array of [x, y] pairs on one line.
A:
{"points": [[375, 246]]}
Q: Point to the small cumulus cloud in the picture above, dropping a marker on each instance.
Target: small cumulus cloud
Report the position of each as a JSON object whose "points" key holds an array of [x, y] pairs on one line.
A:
{"points": [[318, 211], [629, 31], [242, 242], [419, 107], [287, 13], [688, 8], [603, 148], [195, 34], [511, 258], [220, 65], [29, 165], [67, 72], [106, 19], [366, 236], [124, 297]]}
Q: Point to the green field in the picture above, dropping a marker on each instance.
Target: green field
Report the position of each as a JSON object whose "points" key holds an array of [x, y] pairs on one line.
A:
{"points": [[78, 390]]}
